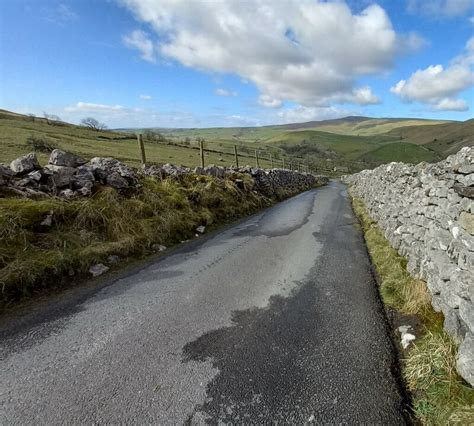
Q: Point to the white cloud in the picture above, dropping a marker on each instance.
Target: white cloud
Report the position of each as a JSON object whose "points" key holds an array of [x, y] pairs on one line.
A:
{"points": [[301, 114], [434, 83], [363, 96], [139, 40], [439, 86], [448, 104], [440, 8], [308, 52], [225, 92], [91, 107], [145, 97], [269, 102], [471, 20]]}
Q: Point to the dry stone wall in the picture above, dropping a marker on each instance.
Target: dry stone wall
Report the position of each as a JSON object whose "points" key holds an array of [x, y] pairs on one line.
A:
{"points": [[427, 213], [67, 176]]}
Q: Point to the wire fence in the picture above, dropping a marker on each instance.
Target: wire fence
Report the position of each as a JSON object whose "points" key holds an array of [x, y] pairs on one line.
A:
{"points": [[240, 156]]}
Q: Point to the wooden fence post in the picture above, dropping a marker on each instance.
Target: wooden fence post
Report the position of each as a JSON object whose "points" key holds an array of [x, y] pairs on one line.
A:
{"points": [[201, 152], [141, 147], [283, 161], [271, 160], [236, 156], [256, 159]]}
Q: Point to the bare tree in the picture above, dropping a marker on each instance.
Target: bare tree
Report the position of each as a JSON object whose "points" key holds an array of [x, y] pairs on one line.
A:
{"points": [[51, 118], [149, 135], [93, 124]]}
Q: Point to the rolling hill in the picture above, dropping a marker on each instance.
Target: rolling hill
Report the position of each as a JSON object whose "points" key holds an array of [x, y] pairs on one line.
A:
{"points": [[350, 143]]}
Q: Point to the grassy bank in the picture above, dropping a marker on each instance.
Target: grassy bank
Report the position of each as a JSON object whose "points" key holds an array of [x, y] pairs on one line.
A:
{"points": [[35, 254], [439, 394]]}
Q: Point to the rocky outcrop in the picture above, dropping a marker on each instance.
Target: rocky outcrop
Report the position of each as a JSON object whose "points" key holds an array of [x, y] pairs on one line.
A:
{"points": [[67, 175], [26, 163], [62, 158], [427, 213]]}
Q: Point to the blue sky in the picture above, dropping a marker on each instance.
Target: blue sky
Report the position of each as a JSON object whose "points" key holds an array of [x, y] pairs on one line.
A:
{"points": [[187, 63]]}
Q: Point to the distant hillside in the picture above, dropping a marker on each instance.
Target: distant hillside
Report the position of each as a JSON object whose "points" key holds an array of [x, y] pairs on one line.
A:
{"points": [[364, 126], [351, 142], [445, 139]]}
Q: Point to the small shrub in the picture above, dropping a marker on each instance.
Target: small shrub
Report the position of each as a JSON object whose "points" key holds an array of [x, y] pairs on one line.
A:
{"points": [[38, 143]]}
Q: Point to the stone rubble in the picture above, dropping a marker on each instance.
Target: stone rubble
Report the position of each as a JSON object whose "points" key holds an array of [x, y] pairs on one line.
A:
{"points": [[201, 229], [24, 164], [267, 181], [62, 158], [426, 212], [68, 176], [405, 337], [158, 247], [98, 270]]}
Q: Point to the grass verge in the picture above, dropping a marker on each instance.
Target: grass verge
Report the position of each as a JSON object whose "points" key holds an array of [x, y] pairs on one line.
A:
{"points": [[35, 254], [440, 396]]}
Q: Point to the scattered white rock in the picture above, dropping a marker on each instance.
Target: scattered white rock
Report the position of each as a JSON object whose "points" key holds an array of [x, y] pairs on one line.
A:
{"points": [[35, 175], [25, 164], [404, 329], [47, 221], [113, 258], [406, 337], [62, 158], [66, 193], [158, 247], [99, 269]]}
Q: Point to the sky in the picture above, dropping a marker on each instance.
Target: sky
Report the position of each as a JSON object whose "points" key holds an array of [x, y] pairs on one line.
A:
{"points": [[216, 63]]}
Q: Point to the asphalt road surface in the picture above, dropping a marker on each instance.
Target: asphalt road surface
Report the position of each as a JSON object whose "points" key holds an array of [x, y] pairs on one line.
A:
{"points": [[275, 319]]}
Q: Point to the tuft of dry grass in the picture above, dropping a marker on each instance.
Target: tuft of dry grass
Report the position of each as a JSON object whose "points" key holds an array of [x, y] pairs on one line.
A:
{"points": [[440, 396], [398, 288]]}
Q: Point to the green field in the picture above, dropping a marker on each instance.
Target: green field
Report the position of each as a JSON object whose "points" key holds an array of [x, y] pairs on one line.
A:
{"points": [[16, 129], [400, 152], [350, 143]]}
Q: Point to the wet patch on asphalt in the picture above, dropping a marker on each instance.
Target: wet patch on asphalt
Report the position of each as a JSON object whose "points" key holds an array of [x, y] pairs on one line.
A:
{"points": [[321, 354], [279, 224]]}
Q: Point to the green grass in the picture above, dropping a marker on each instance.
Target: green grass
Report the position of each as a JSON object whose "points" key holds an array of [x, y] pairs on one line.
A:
{"points": [[440, 396], [15, 131], [355, 144], [373, 126], [349, 147], [402, 151]]}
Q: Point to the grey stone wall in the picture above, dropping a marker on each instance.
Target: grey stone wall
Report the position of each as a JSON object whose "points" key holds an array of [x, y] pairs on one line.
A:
{"points": [[66, 175], [427, 213], [268, 182]]}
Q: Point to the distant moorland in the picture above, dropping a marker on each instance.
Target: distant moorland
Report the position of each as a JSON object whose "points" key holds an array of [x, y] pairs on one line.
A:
{"points": [[350, 143]]}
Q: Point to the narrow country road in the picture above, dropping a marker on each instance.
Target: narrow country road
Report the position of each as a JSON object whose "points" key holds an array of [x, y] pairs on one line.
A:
{"points": [[275, 319]]}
